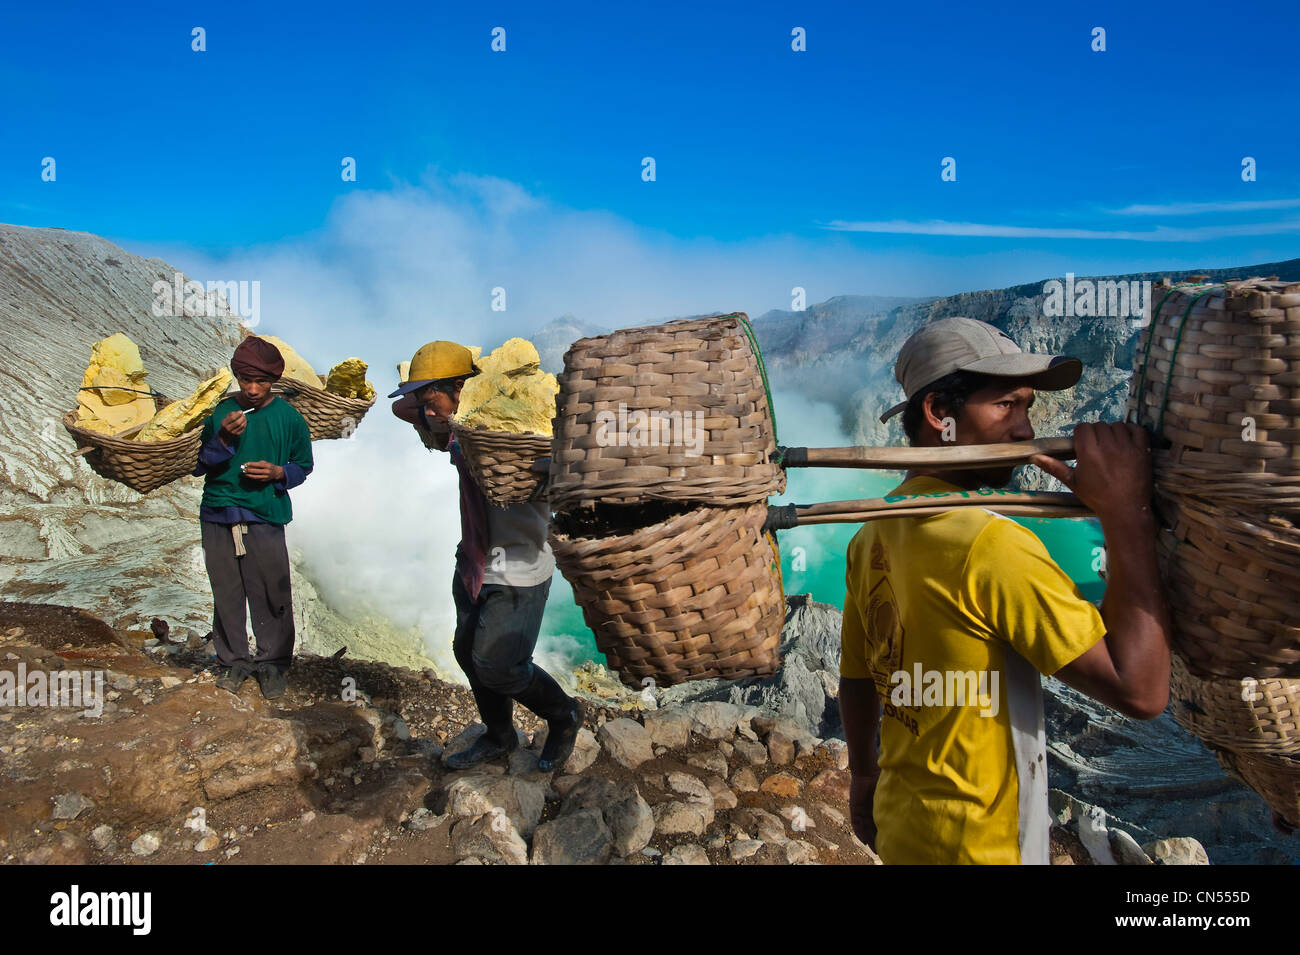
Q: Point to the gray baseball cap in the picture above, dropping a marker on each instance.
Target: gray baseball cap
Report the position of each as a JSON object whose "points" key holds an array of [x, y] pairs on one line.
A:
{"points": [[964, 344]]}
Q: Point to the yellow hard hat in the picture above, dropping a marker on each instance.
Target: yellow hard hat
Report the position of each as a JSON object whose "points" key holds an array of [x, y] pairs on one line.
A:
{"points": [[435, 361]]}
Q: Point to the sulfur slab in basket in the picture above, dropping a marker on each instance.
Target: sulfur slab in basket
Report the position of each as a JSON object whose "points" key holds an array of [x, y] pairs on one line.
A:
{"points": [[511, 393], [189, 413], [114, 394], [295, 366], [347, 379]]}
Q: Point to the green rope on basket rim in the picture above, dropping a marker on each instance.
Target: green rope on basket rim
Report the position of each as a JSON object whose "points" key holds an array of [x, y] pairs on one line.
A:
{"points": [[748, 329], [1173, 358], [1151, 337]]}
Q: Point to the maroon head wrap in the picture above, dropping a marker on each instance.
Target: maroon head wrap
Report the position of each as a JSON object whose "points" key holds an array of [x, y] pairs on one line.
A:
{"points": [[257, 358]]}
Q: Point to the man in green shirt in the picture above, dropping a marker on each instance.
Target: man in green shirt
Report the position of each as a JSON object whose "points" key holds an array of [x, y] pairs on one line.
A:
{"points": [[255, 447]]}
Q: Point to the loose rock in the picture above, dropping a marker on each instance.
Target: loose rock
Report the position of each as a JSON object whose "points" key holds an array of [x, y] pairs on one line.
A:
{"points": [[782, 784], [627, 741], [491, 837], [70, 805], [146, 845], [579, 838], [688, 854]]}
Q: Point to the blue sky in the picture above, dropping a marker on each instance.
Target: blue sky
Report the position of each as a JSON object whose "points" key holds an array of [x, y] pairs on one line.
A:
{"points": [[240, 146]]}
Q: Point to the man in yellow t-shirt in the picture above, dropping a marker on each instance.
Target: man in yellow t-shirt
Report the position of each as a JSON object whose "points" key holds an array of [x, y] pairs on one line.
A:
{"points": [[949, 620]]}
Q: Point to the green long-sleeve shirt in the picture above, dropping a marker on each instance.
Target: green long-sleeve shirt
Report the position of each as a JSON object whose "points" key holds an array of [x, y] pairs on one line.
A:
{"points": [[275, 433]]}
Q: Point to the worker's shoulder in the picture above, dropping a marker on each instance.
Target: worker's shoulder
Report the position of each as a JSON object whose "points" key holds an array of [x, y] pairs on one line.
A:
{"points": [[998, 541]]}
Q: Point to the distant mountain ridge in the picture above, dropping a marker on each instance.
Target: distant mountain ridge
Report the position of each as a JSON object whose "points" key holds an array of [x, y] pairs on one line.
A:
{"points": [[842, 351]]}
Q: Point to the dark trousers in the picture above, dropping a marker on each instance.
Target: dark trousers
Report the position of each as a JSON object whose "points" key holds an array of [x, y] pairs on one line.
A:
{"points": [[494, 643], [260, 579]]}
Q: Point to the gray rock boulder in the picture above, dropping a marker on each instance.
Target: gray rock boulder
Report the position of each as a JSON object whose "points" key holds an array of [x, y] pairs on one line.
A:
{"points": [[626, 814], [679, 817], [687, 854], [627, 742], [669, 727], [491, 837], [521, 800], [1179, 851], [577, 838]]}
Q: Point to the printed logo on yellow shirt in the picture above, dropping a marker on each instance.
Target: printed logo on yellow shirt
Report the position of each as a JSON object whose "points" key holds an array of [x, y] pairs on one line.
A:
{"points": [[885, 637]]}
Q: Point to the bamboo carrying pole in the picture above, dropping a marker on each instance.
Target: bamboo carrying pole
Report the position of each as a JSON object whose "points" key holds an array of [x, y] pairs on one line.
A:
{"points": [[1009, 503], [954, 458]]}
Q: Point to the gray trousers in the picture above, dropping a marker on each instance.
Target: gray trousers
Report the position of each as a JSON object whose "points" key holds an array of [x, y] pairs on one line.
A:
{"points": [[260, 579]]}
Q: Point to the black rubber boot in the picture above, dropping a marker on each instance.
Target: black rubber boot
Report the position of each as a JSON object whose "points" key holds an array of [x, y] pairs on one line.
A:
{"points": [[563, 718], [480, 751], [234, 676], [497, 713]]}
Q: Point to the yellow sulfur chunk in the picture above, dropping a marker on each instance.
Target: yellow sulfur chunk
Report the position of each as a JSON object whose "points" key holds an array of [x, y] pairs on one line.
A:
{"points": [[295, 366], [118, 376], [348, 380], [514, 357], [512, 393], [403, 371], [188, 413]]}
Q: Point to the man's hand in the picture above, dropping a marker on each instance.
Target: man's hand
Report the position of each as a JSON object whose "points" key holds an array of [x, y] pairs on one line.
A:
{"points": [[1113, 472], [862, 795], [232, 426], [263, 471]]}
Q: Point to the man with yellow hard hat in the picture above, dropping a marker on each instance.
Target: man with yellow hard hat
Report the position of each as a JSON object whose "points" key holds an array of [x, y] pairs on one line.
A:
{"points": [[499, 601]]}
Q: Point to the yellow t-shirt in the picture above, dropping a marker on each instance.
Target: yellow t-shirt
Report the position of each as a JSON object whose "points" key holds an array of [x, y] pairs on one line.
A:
{"points": [[936, 612]]}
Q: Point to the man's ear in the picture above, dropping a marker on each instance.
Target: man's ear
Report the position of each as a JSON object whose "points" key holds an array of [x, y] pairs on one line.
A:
{"points": [[932, 413]]}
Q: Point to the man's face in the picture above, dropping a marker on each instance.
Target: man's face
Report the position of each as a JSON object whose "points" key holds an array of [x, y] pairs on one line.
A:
{"points": [[256, 390], [440, 399], [995, 414]]}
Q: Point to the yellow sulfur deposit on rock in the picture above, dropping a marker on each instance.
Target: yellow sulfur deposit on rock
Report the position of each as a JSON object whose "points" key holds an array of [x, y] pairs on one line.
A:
{"points": [[347, 379], [295, 366], [117, 375], [512, 393], [188, 413]]}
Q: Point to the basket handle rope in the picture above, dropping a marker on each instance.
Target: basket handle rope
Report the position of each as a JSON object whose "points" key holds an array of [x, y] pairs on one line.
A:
{"points": [[1178, 340], [748, 329], [151, 393], [1151, 337]]}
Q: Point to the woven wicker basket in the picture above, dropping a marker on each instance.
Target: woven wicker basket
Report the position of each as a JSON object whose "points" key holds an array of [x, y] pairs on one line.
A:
{"points": [[501, 462], [1274, 776], [1218, 378], [142, 466], [328, 415], [697, 595], [1247, 714], [624, 403]]}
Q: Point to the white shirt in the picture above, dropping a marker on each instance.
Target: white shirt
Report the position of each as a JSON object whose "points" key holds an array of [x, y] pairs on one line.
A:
{"points": [[518, 554]]}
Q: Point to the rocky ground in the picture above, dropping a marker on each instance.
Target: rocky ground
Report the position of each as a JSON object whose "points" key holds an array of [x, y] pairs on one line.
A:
{"points": [[346, 768]]}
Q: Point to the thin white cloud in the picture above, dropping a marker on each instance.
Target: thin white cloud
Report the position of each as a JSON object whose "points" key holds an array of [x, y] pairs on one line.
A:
{"points": [[985, 230], [1197, 208]]}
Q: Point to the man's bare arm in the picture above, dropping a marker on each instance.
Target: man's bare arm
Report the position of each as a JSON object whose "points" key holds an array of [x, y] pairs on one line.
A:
{"points": [[1129, 668], [860, 714]]}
